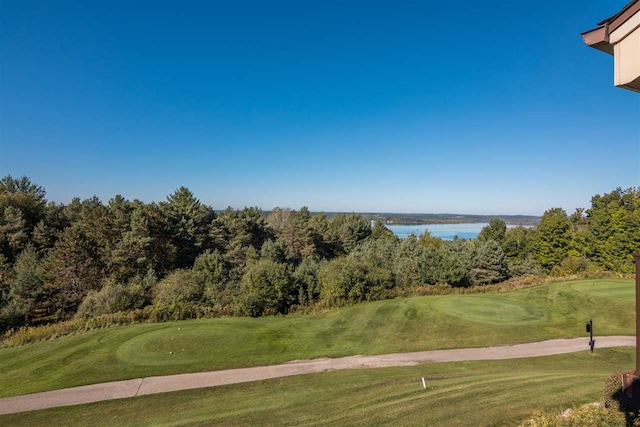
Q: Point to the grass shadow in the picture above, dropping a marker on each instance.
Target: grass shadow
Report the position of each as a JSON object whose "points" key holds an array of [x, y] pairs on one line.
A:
{"points": [[616, 399]]}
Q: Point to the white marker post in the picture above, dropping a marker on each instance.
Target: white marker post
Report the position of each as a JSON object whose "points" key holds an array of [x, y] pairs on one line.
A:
{"points": [[424, 384]]}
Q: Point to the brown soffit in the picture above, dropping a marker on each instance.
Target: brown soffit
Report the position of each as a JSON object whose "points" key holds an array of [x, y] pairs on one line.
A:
{"points": [[599, 37]]}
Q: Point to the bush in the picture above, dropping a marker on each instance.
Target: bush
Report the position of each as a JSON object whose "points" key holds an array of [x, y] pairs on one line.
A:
{"points": [[571, 265], [165, 312], [267, 289], [586, 416], [178, 287], [525, 267], [112, 298], [612, 392], [28, 334]]}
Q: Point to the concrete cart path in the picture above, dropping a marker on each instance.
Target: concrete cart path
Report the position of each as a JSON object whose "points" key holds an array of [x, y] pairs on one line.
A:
{"points": [[151, 385]]}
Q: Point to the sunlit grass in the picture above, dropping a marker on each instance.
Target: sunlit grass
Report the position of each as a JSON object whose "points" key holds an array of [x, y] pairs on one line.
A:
{"points": [[461, 393], [557, 310]]}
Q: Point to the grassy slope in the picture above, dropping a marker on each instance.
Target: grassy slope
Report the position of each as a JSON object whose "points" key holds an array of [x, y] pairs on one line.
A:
{"points": [[410, 324], [462, 393]]}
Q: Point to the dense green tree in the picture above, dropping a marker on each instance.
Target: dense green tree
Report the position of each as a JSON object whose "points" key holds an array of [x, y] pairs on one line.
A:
{"points": [[212, 272], [190, 221], [352, 279], [614, 229], [54, 259], [14, 234], [524, 267], [29, 198], [298, 236], [44, 237], [489, 263], [324, 237], [552, 238], [274, 250], [267, 289], [305, 277], [518, 243], [496, 230], [578, 247], [342, 281], [48, 229], [95, 223], [450, 264], [376, 252], [379, 231], [73, 211], [349, 229], [72, 269], [27, 290], [239, 234], [132, 254], [179, 287], [406, 262], [113, 297], [376, 255], [152, 234], [427, 240]]}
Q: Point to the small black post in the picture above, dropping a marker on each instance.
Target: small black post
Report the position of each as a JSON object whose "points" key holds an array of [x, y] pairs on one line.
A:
{"points": [[590, 330]]}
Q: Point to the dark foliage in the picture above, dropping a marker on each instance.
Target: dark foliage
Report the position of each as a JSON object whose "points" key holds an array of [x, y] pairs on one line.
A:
{"points": [[181, 258]]}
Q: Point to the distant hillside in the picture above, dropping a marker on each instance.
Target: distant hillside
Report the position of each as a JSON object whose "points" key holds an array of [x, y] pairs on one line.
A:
{"points": [[417, 218]]}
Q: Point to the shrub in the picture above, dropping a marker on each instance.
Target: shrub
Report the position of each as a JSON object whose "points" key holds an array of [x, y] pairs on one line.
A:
{"points": [[165, 312], [525, 267], [612, 392], [112, 298], [571, 265], [178, 287], [267, 288], [28, 334], [592, 415]]}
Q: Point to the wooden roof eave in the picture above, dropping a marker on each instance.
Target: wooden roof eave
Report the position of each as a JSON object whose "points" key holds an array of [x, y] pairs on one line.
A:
{"points": [[598, 38]]}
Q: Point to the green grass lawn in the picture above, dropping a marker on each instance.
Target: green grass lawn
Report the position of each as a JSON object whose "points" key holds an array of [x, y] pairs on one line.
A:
{"points": [[557, 310], [461, 393]]}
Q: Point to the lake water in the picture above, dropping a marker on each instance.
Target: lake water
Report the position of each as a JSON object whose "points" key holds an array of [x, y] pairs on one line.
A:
{"points": [[443, 231]]}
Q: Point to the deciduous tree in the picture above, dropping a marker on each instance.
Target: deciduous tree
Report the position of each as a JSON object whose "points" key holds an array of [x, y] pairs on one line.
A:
{"points": [[552, 238]]}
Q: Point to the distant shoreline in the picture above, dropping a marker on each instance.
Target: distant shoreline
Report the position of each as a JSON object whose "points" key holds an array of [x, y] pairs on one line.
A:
{"points": [[428, 219], [445, 218]]}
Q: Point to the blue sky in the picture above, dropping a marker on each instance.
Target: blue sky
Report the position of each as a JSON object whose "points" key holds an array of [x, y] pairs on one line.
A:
{"points": [[493, 107]]}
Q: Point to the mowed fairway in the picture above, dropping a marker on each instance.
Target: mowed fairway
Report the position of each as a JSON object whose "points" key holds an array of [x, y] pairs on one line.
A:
{"points": [[557, 310], [461, 393]]}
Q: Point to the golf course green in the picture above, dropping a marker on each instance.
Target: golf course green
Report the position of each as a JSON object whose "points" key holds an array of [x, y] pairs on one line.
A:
{"points": [[557, 310]]}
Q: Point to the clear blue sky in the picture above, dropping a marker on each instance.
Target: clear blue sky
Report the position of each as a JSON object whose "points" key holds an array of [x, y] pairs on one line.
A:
{"points": [[479, 107]]}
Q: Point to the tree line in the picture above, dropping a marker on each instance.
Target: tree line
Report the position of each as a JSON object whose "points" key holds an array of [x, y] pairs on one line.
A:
{"points": [[180, 258]]}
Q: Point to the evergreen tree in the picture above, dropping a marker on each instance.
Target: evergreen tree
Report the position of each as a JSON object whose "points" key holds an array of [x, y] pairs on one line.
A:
{"points": [[406, 262], [489, 263], [212, 273], [190, 221], [27, 290], [349, 229], [495, 230], [518, 243], [14, 235], [22, 194], [72, 269], [305, 278]]}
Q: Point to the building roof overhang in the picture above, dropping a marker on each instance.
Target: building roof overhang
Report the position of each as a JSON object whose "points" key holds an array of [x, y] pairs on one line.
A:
{"points": [[619, 35], [599, 37]]}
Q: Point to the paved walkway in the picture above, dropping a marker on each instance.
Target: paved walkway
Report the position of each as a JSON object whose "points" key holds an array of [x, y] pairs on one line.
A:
{"points": [[152, 385]]}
